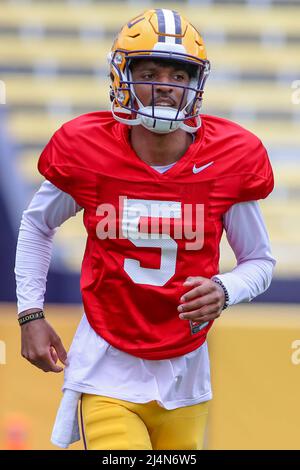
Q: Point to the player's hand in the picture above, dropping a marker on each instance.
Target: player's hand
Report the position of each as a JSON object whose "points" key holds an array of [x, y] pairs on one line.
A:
{"points": [[41, 346], [203, 302]]}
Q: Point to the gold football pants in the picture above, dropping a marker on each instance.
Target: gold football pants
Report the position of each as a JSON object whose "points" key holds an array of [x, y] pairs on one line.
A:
{"points": [[112, 424]]}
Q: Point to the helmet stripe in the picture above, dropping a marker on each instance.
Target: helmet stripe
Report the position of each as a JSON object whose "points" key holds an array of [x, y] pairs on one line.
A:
{"points": [[170, 25], [178, 29], [161, 25]]}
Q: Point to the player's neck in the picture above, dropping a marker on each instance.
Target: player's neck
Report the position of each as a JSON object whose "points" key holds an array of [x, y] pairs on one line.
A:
{"points": [[159, 149]]}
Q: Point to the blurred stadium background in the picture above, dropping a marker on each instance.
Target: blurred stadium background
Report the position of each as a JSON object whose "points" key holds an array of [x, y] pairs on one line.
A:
{"points": [[53, 67]]}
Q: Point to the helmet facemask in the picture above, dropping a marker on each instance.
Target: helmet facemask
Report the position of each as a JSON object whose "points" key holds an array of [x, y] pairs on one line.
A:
{"points": [[158, 119]]}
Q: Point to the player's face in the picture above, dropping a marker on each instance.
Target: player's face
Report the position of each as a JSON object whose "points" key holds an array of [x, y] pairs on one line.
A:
{"points": [[164, 94]]}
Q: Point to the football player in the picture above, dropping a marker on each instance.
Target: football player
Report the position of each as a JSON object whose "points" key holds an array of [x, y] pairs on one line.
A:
{"points": [[158, 184]]}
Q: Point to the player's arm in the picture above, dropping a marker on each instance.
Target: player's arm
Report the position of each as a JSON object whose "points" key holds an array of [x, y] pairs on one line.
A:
{"points": [[247, 235], [48, 209]]}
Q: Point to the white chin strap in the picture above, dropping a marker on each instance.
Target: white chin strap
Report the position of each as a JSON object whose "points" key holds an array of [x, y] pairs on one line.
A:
{"points": [[159, 126]]}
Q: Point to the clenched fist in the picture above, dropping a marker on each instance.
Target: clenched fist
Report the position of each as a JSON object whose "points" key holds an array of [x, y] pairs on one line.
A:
{"points": [[41, 346], [203, 302]]}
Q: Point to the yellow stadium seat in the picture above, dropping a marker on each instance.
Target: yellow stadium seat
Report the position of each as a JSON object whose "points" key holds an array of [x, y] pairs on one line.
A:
{"points": [[80, 91], [93, 54], [110, 16]]}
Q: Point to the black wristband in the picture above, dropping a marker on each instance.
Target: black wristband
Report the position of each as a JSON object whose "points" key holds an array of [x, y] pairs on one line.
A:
{"points": [[226, 303], [31, 317]]}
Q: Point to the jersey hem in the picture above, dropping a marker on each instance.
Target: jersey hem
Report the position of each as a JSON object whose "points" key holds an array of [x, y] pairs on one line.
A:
{"points": [[154, 355], [169, 405]]}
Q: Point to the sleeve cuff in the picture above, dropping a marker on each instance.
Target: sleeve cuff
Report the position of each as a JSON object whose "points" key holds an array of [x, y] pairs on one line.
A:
{"points": [[22, 307], [237, 289]]}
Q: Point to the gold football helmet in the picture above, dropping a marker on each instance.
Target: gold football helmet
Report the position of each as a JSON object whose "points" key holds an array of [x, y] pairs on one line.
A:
{"points": [[157, 34]]}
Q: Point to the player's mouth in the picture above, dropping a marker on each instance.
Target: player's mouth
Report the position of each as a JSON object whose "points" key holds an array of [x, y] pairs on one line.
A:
{"points": [[165, 102], [166, 105]]}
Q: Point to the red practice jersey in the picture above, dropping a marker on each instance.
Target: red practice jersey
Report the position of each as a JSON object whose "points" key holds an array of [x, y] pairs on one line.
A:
{"points": [[147, 232]]}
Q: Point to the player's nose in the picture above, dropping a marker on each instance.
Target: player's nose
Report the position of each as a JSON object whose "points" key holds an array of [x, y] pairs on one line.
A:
{"points": [[164, 82], [163, 89]]}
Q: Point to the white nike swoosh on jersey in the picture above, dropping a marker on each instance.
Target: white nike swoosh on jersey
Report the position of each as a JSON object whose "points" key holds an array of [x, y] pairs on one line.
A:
{"points": [[200, 168]]}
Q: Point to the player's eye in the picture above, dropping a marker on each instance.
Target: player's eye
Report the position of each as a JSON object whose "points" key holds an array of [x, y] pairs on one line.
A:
{"points": [[148, 76], [179, 77]]}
